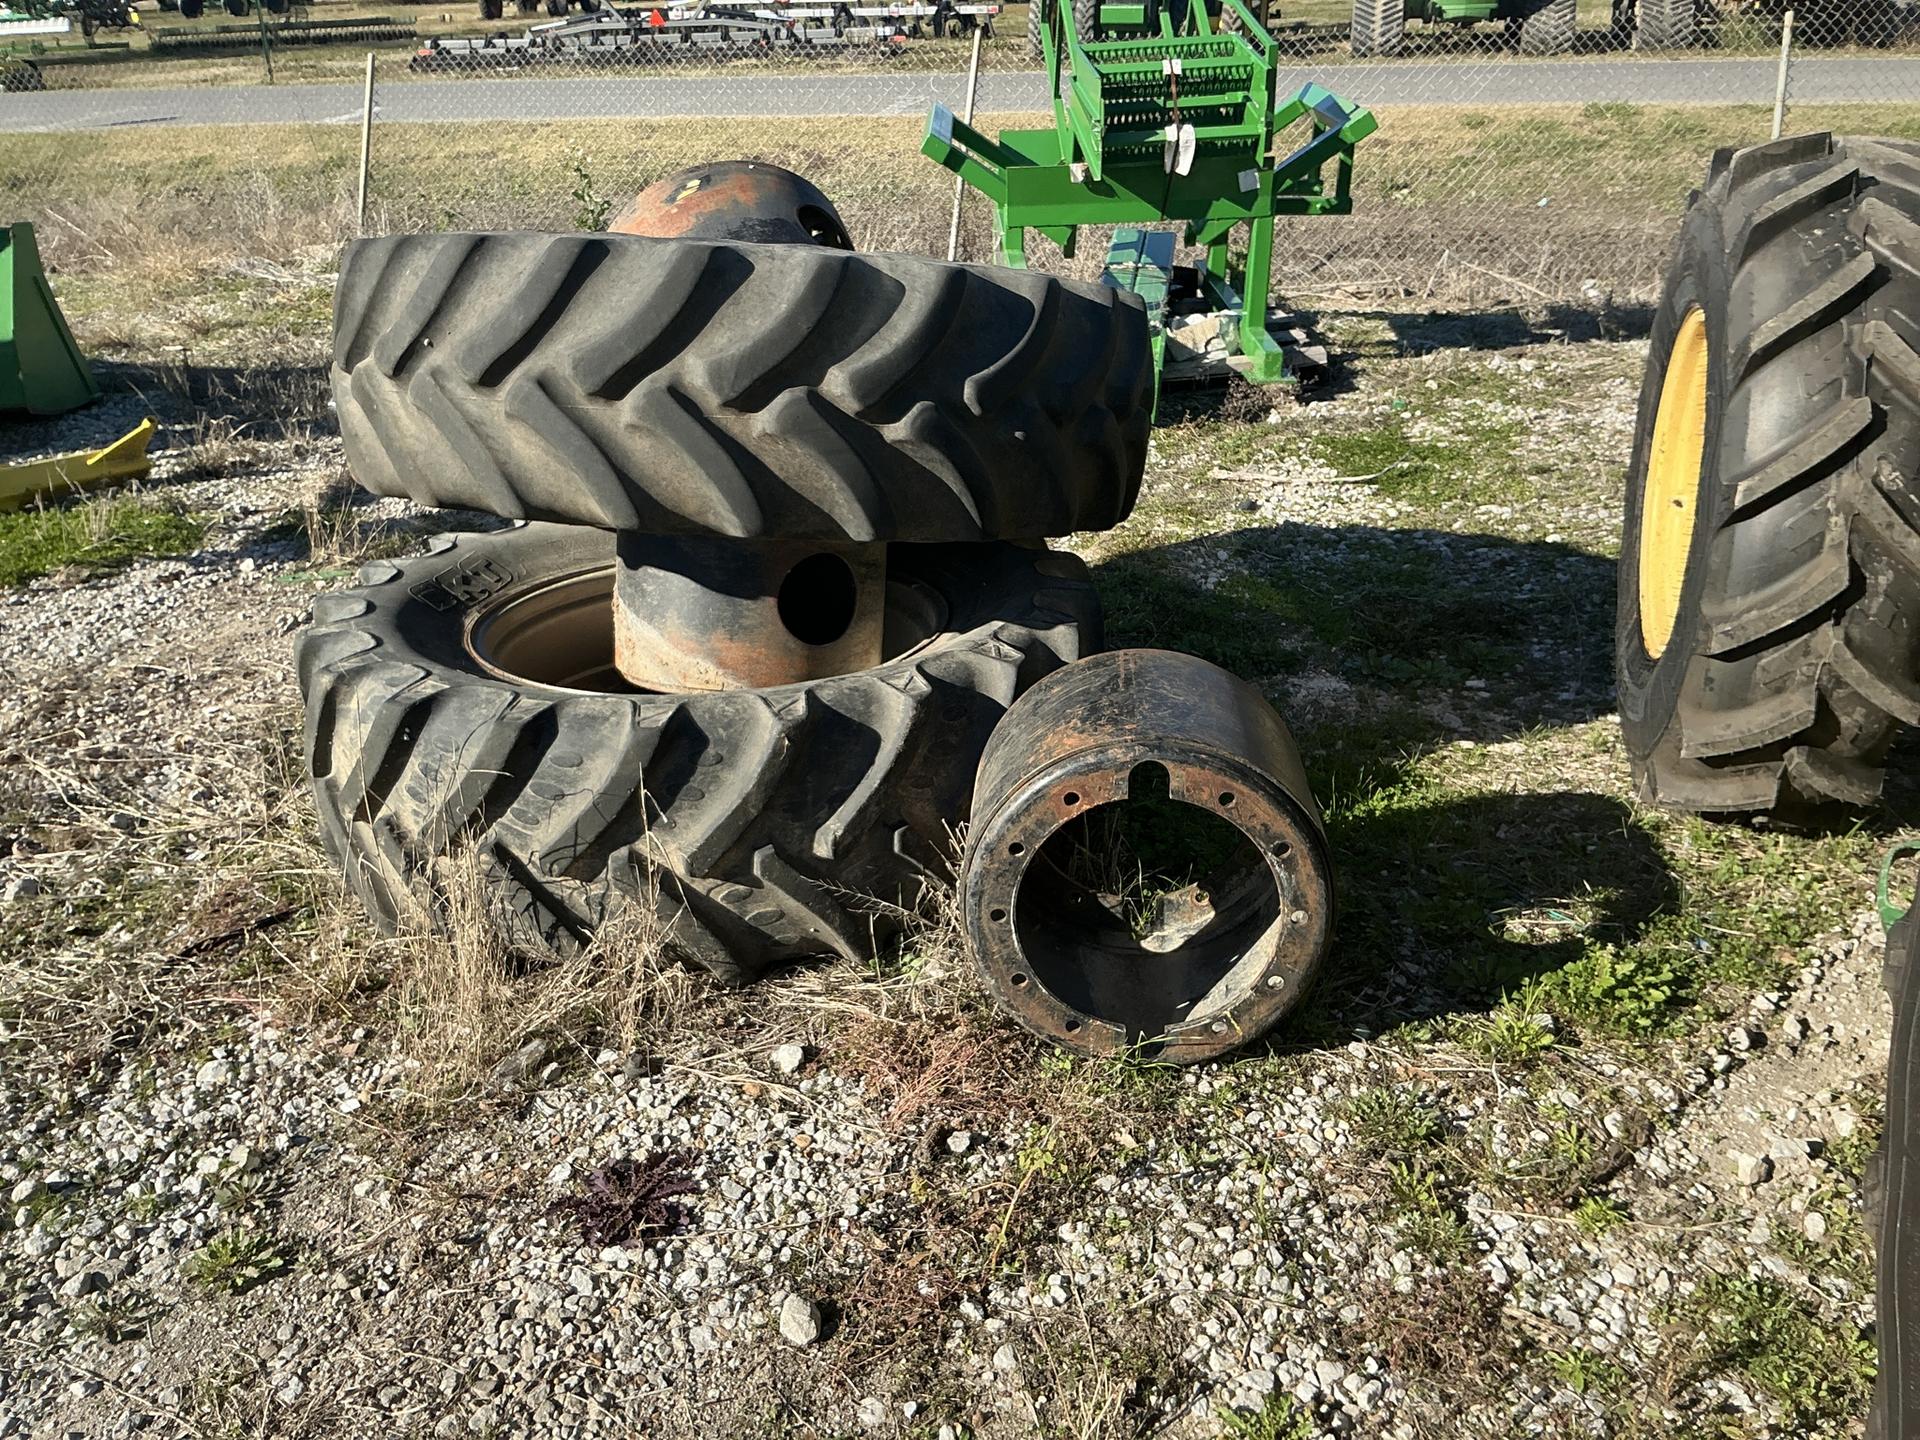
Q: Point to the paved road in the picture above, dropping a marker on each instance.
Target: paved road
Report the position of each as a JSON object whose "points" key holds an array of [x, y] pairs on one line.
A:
{"points": [[1465, 82]]}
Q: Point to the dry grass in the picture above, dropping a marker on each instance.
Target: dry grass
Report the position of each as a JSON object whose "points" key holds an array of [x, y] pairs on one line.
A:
{"points": [[1449, 199]]}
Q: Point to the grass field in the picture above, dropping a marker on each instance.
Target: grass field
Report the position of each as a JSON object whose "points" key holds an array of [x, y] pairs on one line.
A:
{"points": [[1529, 204]]}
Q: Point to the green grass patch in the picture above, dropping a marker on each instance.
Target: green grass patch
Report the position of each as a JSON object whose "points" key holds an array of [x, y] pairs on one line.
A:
{"points": [[1820, 1373], [94, 539]]}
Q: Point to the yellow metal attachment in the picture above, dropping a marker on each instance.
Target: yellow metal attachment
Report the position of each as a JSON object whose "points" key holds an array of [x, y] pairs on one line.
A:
{"points": [[1671, 499], [124, 459]]}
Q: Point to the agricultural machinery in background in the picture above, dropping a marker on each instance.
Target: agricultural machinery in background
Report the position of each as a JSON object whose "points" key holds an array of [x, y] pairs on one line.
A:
{"points": [[39, 19], [610, 37], [1167, 112]]}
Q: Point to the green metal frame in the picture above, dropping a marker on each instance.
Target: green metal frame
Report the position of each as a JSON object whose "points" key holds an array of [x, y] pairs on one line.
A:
{"points": [[1118, 107]]}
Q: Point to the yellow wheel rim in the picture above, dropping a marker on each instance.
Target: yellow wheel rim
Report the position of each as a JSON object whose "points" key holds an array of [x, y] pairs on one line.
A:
{"points": [[1672, 494]]}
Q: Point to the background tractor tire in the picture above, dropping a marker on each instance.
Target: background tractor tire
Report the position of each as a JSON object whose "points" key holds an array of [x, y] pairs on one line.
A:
{"points": [[759, 825], [1377, 27], [1785, 574], [716, 388], [1547, 28], [1086, 20], [1666, 25], [1037, 17]]}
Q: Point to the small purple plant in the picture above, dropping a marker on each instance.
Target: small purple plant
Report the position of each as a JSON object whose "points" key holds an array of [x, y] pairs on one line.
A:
{"points": [[629, 1202]]}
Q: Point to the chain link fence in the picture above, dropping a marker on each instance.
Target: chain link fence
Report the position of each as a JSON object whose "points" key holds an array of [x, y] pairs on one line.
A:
{"points": [[1535, 151]]}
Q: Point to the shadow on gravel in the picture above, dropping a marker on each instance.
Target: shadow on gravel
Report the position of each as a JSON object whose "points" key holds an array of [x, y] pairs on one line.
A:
{"points": [[1414, 332], [1377, 646]]}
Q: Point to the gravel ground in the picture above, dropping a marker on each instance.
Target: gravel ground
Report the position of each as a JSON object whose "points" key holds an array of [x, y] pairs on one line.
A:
{"points": [[240, 1199]]}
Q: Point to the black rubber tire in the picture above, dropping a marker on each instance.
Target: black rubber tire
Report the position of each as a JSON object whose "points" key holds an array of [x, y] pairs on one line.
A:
{"points": [[1377, 27], [1547, 28], [1795, 655], [1086, 20], [819, 807], [1666, 24], [556, 7], [492, 9], [239, 7], [725, 389], [1892, 1199], [1037, 15], [192, 9]]}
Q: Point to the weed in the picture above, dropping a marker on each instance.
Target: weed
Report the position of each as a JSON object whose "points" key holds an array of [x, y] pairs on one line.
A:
{"points": [[118, 1315], [1819, 1373], [1280, 1418], [591, 209], [1629, 991], [1514, 1034], [1584, 1372], [628, 1202], [1393, 1120], [1428, 1221], [1596, 1215], [235, 1261]]}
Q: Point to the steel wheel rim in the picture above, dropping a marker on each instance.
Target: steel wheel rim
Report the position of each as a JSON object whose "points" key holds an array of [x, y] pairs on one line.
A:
{"points": [[1669, 501]]}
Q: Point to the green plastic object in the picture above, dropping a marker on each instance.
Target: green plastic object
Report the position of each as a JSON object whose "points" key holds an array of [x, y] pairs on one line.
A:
{"points": [[1173, 121], [1890, 911], [42, 371]]}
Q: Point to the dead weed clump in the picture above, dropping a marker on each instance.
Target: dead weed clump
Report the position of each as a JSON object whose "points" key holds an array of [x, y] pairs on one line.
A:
{"points": [[469, 985]]}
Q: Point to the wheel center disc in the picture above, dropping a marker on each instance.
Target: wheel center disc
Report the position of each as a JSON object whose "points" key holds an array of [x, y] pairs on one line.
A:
{"points": [[1670, 500]]}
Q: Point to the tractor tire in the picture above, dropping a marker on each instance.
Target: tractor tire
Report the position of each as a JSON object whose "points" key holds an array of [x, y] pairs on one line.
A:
{"points": [[1893, 1198], [1547, 28], [717, 388], [492, 9], [1666, 24], [759, 825], [1038, 14], [1769, 581], [1377, 28], [557, 7], [239, 7], [1086, 20], [192, 9]]}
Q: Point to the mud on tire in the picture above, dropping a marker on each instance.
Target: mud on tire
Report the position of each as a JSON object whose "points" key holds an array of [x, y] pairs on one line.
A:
{"points": [[723, 389], [761, 825], [1795, 645]]}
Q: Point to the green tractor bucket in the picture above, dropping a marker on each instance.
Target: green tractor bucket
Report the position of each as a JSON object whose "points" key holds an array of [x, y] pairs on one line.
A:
{"points": [[41, 370]]}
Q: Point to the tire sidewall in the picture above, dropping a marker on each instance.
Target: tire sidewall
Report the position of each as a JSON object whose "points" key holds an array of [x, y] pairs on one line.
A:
{"points": [[1649, 687]]}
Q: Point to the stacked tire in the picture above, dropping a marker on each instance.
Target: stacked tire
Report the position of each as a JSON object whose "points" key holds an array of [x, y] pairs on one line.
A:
{"points": [[584, 386]]}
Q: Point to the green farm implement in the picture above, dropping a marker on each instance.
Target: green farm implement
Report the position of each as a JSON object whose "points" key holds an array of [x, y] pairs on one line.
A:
{"points": [[1170, 116]]}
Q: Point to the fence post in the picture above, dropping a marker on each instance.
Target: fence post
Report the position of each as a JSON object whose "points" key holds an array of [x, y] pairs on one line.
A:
{"points": [[960, 185], [266, 37], [366, 147], [1780, 80]]}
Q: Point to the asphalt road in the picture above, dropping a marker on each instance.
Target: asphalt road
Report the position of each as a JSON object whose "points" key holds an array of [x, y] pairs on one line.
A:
{"points": [[1463, 82]]}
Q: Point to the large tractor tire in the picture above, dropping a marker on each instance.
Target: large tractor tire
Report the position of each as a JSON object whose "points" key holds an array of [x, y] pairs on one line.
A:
{"points": [[1666, 24], [492, 9], [468, 697], [1894, 1199], [714, 388], [1547, 28], [1377, 27], [1769, 582], [1086, 20], [192, 9]]}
